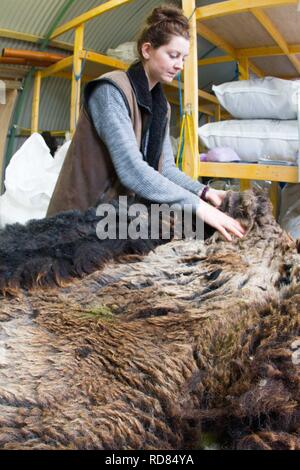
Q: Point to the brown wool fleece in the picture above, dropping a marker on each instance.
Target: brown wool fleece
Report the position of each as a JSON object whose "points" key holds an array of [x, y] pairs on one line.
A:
{"points": [[150, 352]]}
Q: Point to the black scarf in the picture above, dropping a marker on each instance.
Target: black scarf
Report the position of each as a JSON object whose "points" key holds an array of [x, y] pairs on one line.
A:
{"points": [[154, 109]]}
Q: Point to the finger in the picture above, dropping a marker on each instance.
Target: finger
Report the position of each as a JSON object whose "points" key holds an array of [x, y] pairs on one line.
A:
{"points": [[225, 234], [235, 231], [234, 227], [241, 227], [237, 225]]}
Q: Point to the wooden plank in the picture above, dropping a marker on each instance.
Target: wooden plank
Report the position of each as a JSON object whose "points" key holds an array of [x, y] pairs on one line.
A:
{"points": [[243, 68], [215, 39], [68, 76], [93, 13], [11, 34], [256, 70], [207, 96], [276, 66], [217, 113], [274, 193], [76, 81], [240, 31], [12, 84], [287, 20], [245, 185], [104, 59], [216, 60], [58, 67], [243, 65], [36, 103], [276, 35], [12, 73], [231, 7], [191, 153], [206, 110], [249, 171], [267, 51], [24, 131]]}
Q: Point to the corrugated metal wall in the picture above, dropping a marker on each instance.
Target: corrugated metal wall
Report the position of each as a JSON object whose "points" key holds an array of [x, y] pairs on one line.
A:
{"points": [[54, 107], [109, 30], [114, 27], [55, 97], [35, 17], [30, 16]]}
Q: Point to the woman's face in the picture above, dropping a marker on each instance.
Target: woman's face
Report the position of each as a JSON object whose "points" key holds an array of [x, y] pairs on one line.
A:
{"points": [[164, 63]]}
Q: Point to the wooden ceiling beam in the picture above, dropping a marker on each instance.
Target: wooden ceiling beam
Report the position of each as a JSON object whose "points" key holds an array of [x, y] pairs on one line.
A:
{"points": [[19, 36], [231, 7], [88, 15], [267, 51], [212, 37], [265, 21]]}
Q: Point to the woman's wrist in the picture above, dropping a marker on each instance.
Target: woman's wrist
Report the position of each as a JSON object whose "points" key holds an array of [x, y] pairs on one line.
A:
{"points": [[201, 209], [203, 193]]}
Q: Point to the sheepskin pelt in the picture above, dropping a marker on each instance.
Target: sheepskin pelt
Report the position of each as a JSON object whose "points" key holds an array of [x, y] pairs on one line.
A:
{"points": [[154, 352], [57, 249]]}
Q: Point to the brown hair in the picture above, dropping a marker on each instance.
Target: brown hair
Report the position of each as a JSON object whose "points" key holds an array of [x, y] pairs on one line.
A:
{"points": [[164, 21]]}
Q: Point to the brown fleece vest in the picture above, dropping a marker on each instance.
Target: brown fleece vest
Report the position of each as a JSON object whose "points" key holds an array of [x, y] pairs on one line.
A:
{"points": [[88, 176]]}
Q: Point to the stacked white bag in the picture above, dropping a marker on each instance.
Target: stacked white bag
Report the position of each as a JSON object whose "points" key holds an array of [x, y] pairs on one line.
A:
{"points": [[30, 179], [266, 125], [126, 51]]}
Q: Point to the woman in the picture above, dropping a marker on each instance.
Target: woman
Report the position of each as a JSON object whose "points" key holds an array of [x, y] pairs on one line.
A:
{"points": [[122, 144]]}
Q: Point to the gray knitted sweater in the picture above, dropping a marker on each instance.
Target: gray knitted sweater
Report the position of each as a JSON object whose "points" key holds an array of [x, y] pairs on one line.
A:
{"points": [[113, 124]]}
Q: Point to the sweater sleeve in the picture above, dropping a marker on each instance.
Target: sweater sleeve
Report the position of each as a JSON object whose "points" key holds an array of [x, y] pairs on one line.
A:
{"points": [[170, 171], [113, 125]]}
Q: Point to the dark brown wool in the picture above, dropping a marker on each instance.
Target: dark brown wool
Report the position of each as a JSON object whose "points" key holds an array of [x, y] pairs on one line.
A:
{"points": [[152, 352]]}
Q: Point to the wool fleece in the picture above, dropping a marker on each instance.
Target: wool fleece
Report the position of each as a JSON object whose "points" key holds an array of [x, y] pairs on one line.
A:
{"points": [[155, 347]]}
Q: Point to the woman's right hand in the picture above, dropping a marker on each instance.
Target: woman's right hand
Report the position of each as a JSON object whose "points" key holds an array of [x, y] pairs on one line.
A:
{"points": [[225, 224]]}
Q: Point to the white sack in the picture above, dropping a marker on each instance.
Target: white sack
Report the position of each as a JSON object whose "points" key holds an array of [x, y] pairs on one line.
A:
{"points": [[126, 52], [30, 179], [289, 216], [254, 139], [261, 98]]}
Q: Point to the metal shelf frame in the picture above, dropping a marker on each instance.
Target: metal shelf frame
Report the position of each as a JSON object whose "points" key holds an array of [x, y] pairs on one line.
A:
{"points": [[200, 25], [71, 66]]}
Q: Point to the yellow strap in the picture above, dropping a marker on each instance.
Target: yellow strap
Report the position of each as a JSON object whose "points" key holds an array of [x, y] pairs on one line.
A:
{"points": [[186, 124], [189, 127], [180, 139]]}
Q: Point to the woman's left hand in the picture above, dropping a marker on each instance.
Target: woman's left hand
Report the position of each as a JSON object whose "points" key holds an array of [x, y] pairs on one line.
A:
{"points": [[215, 196]]}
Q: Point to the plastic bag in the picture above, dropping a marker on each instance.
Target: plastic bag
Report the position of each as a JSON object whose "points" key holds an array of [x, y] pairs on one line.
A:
{"points": [[289, 216], [30, 179], [126, 52]]}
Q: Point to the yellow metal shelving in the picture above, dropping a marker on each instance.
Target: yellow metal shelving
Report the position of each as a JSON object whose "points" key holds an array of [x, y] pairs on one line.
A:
{"points": [[207, 22], [95, 64], [260, 35]]}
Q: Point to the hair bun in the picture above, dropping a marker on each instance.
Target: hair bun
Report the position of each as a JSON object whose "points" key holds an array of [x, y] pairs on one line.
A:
{"points": [[164, 13], [162, 24]]}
